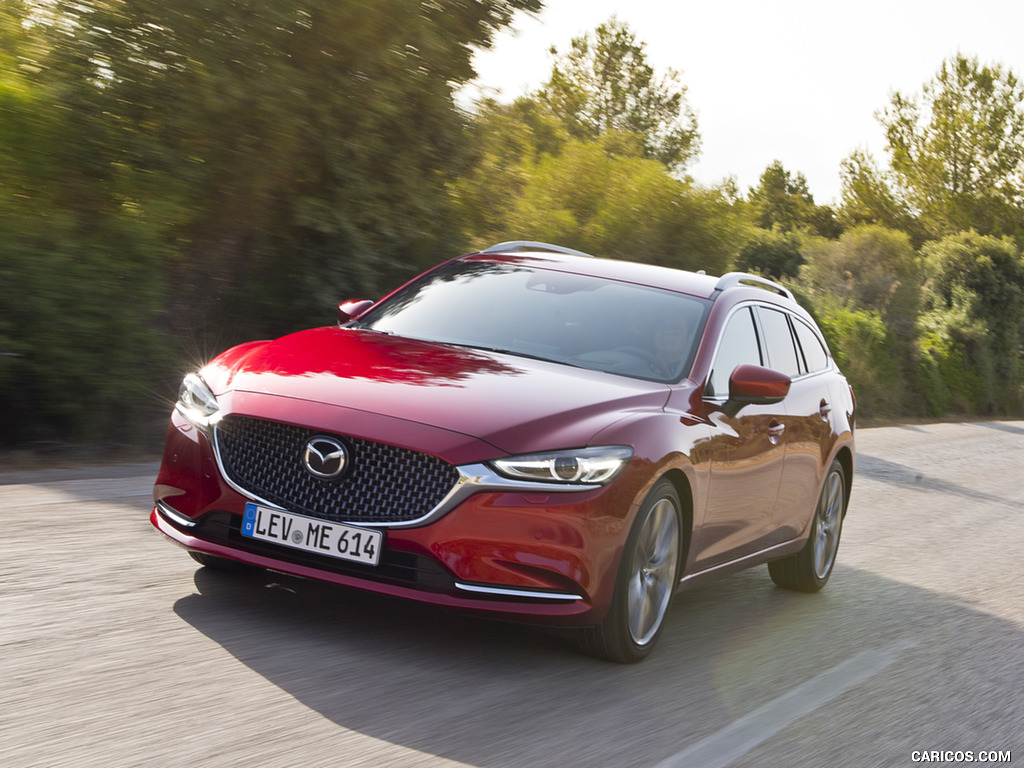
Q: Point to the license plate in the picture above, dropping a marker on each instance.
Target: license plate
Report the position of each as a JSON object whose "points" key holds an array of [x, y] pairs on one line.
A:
{"points": [[346, 542]]}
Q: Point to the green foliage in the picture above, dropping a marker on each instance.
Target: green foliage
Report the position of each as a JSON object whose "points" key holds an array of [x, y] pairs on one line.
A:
{"points": [[80, 285], [183, 175], [957, 150], [588, 161], [868, 354], [316, 138], [947, 381], [782, 201], [603, 198], [179, 175], [975, 312], [876, 271], [505, 142], [604, 85], [870, 267], [957, 169], [869, 197], [771, 253]]}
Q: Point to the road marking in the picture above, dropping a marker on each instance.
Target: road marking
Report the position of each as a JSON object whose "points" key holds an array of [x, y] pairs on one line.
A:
{"points": [[720, 749]]}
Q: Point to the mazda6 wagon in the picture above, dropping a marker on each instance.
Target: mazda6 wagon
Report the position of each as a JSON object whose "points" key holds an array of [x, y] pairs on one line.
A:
{"points": [[527, 432]]}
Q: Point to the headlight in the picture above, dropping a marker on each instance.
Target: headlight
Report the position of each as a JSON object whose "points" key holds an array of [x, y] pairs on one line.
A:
{"points": [[582, 466], [196, 402]]}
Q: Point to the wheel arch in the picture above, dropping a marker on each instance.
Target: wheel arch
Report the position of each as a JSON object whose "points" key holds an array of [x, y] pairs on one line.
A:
{"points": [[677, 477], [845, 458]]}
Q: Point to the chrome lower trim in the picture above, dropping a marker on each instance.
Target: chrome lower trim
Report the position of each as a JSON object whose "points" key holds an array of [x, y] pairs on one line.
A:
{"points": [[742, 563], [507, 592], [473, 478], [174, 515]]}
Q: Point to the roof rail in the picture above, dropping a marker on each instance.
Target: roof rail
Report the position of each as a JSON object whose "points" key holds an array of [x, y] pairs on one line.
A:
{"points": [[742, 278], [515, 246]]}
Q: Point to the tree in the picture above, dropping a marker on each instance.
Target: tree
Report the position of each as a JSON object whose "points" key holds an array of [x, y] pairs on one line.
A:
{"points": [[310, 144], [505, 141], [178, 176], [871, 268], [870, 196], [870, 278], [771, 253], [625, 206], [604, 85], [783, 201], [868, 354], [957, 150], [587, 161], [80, 281], [975, 303]]}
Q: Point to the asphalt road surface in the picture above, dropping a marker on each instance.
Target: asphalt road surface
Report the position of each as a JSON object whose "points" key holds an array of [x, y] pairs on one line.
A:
{"points": [[117, 650]]}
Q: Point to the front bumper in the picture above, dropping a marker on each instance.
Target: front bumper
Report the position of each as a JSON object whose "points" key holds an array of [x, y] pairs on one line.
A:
{"points": [[550, 557], [401, 573]]}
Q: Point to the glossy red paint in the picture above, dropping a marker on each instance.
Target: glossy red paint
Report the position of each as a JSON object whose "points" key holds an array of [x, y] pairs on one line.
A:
{"points": [[502, 400], [567, 543], [747, 470], [756, 384], [570, 614]]}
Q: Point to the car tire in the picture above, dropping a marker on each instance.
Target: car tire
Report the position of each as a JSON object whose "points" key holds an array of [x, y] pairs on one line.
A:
{"points": [[221, 563], [647, 578], [809, 569]]}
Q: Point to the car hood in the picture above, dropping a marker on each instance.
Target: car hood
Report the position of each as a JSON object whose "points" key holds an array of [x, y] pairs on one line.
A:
{"points": [[514, 404]]}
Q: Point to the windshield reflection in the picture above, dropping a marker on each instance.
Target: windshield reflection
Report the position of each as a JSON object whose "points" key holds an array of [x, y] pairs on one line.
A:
{"points": [[578, 320]]}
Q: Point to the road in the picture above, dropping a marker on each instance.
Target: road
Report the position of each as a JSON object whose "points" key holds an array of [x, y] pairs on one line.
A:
{"points": [[117, 650]]}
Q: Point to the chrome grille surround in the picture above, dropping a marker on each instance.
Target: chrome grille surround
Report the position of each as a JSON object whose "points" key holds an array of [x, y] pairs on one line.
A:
{"points": [[385, 486]]}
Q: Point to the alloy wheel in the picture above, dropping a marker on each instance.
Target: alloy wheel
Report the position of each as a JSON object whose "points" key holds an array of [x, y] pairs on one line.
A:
{"points": [[828, 524], [653, 571]]}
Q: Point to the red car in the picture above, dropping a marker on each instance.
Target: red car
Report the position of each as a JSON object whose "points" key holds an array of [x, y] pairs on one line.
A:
{"points": [[527, 432]]}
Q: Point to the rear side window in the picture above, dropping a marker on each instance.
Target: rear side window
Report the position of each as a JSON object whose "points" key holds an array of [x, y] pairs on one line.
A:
{"points": [[782, 355], [814, 353], [738, 346]]}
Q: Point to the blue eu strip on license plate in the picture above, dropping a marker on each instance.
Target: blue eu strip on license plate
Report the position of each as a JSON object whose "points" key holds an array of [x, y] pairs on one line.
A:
{"points": [[309, 534]]}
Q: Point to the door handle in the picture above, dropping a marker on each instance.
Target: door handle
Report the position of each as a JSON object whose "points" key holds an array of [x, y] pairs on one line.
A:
{"points": [[775, 430], [824, 410]]}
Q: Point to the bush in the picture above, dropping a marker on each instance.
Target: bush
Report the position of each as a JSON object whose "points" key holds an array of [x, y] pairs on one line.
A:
{"points": [[974, 309], [771, 253], [946, 381], [868, 354]]}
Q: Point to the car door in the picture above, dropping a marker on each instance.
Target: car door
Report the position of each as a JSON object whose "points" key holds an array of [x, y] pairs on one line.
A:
{"points": [[745, 454], [806, 419]]}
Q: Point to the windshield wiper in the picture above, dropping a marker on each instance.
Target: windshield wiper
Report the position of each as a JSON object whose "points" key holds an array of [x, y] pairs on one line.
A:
{"points": [[515, 353], [369, 329]]}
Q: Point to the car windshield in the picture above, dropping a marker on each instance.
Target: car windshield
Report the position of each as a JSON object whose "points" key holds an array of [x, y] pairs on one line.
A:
{"points": [[588, 322]]}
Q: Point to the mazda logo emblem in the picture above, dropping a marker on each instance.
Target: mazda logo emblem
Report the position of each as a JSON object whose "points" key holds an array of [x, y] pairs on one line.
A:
{"points": [[325, 457]]}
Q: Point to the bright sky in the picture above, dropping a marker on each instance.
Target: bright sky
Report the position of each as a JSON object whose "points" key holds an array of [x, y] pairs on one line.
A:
{"points": [[793, 80]]}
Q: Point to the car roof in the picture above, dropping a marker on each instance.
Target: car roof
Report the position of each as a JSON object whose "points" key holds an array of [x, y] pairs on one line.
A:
{"points": [[679, 280]]}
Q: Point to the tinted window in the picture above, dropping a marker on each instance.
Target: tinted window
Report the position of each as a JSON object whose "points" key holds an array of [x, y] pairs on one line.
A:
{"points": [[779, 341], [738, 346], [814, 352], [578, 320]]}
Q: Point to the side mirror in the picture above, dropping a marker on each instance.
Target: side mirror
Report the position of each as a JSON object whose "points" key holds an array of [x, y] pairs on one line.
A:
{"points": [[350, 310], [754, 385]]}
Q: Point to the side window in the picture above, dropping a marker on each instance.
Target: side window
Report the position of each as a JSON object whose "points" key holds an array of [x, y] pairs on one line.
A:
{"points": [[814, 352], [779, 341], [738, 346]]}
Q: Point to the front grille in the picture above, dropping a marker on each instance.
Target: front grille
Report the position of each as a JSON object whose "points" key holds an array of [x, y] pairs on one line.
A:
{"points": [[383, 484]]}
